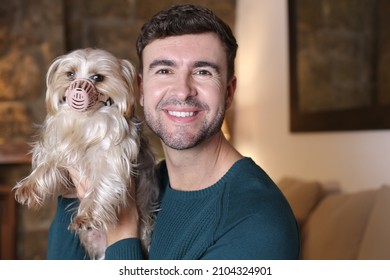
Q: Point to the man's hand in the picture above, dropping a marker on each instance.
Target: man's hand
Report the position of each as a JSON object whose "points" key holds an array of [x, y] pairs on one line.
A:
{"points": [[80, 182], [127, 225]]}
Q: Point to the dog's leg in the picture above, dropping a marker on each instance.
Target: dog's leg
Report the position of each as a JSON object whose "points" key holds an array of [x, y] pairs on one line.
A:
{"points": [[43, 182], [107, 192], [94, 242]]}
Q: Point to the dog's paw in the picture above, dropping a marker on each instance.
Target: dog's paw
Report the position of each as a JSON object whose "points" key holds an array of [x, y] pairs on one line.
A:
{"points": [[84, 223], [21, 194], [81, 223], [25, 195], [94, 241]]}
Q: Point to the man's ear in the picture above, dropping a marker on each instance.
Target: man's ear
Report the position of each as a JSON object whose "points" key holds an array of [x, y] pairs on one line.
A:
{"points": [[141, 93], [231, 89]]}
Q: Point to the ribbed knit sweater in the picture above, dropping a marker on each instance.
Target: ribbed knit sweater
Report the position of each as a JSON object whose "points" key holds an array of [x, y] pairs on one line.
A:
{"points": [[243, 216]]}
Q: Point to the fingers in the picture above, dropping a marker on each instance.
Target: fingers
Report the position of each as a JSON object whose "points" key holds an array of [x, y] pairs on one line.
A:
{"points": [[81, 182], [127, 226], [128, 218]]}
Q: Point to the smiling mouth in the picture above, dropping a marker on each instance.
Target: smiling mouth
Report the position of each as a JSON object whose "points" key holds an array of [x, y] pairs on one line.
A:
{"points": [[179, 114]]}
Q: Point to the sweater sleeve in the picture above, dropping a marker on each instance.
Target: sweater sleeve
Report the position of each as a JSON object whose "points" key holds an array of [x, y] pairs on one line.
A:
{"points": [[256, 222], [64, 244], [257, 238], [126, 249]]}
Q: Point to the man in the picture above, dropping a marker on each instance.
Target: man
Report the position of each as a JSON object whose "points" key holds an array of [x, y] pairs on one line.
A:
{"points": [[215, 203]]}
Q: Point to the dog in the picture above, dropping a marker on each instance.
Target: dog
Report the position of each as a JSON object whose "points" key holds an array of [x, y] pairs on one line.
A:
{"points": [[91, 127]]}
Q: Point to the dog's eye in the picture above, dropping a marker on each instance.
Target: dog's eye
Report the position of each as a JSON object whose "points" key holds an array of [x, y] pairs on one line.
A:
{"points": [[70, 75], [97, 78]]}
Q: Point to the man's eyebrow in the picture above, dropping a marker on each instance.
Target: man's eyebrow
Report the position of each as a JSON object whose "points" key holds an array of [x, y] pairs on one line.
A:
{"points": [[167, 62], [160, 62], [207, 64]]}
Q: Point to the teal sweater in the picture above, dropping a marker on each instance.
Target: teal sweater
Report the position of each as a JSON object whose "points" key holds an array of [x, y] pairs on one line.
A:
{"points": [[243, 216]]}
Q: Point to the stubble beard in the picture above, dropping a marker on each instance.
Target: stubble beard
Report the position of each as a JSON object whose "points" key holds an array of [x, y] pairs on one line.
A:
{"points": [[181, 139]]}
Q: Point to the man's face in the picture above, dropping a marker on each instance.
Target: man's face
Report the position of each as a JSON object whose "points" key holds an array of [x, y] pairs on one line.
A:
{"points": [[184, 88]]}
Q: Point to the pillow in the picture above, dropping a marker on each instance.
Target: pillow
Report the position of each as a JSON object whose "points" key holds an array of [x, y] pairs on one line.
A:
{"points": [[302, 195], [335, 229], [376, 242]]}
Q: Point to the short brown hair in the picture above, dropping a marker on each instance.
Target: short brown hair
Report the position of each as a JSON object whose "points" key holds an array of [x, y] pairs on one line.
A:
{"points": [[187, 19]]}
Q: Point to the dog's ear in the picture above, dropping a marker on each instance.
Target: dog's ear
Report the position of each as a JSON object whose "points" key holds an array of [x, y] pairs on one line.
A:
{"points": [[52, 70], [129, 73], [51, 103]]}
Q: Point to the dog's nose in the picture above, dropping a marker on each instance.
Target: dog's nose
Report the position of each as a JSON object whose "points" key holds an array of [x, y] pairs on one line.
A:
{"points": [[82, 95]]}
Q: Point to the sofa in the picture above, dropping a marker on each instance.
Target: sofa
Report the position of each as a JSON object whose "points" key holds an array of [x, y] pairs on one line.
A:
{"points": [[335, 225]]}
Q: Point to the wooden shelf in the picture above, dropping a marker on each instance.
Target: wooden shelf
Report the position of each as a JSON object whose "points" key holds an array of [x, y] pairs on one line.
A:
{"points": [[7, 224], [15, 153], [11, 154]]}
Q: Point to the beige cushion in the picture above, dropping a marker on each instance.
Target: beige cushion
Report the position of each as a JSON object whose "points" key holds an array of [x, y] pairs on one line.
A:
{"points": [[302, 195], [376, 241], [336, 227]]}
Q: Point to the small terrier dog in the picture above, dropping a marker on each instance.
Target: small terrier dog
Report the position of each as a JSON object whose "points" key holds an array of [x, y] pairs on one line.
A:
{"points": [[91, 127]]}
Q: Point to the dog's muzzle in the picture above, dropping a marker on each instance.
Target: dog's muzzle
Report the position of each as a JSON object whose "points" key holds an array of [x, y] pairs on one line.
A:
{"points": [[82, 95]]}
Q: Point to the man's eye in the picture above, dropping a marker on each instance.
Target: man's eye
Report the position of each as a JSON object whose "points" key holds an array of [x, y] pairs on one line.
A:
{"points": [[70, 75], [203, 72], [97, 78], [163, 71]]}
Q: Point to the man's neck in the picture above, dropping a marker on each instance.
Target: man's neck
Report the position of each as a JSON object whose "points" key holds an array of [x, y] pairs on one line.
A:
{"points": [[202, 166]]}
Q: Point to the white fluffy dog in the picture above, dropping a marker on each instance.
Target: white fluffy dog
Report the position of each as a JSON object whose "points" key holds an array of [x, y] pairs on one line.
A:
{"points": [[90, 127]]}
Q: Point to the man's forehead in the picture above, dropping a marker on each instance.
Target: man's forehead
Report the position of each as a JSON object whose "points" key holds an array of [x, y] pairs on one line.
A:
{"points": [[194, 47]]}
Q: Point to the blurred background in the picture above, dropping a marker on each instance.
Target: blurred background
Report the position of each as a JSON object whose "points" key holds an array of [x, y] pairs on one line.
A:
{"points": [[33, 33]]}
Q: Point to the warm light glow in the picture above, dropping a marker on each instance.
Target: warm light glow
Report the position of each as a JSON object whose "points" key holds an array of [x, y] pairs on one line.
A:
{"points": [[225, 130]]}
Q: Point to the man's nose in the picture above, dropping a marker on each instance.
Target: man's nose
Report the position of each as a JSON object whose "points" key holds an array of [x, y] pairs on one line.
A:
{"points": [[184, 86]]}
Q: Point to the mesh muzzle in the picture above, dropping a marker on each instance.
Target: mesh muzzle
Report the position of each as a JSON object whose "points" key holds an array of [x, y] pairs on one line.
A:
{"points": [[82, 95]]}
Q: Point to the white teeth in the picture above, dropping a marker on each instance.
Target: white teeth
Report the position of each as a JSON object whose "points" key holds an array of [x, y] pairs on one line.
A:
{"points": [[181, 114]]}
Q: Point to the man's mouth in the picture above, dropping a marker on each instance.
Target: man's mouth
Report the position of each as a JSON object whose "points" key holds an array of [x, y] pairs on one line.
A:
{"points": [[181, 114]]}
